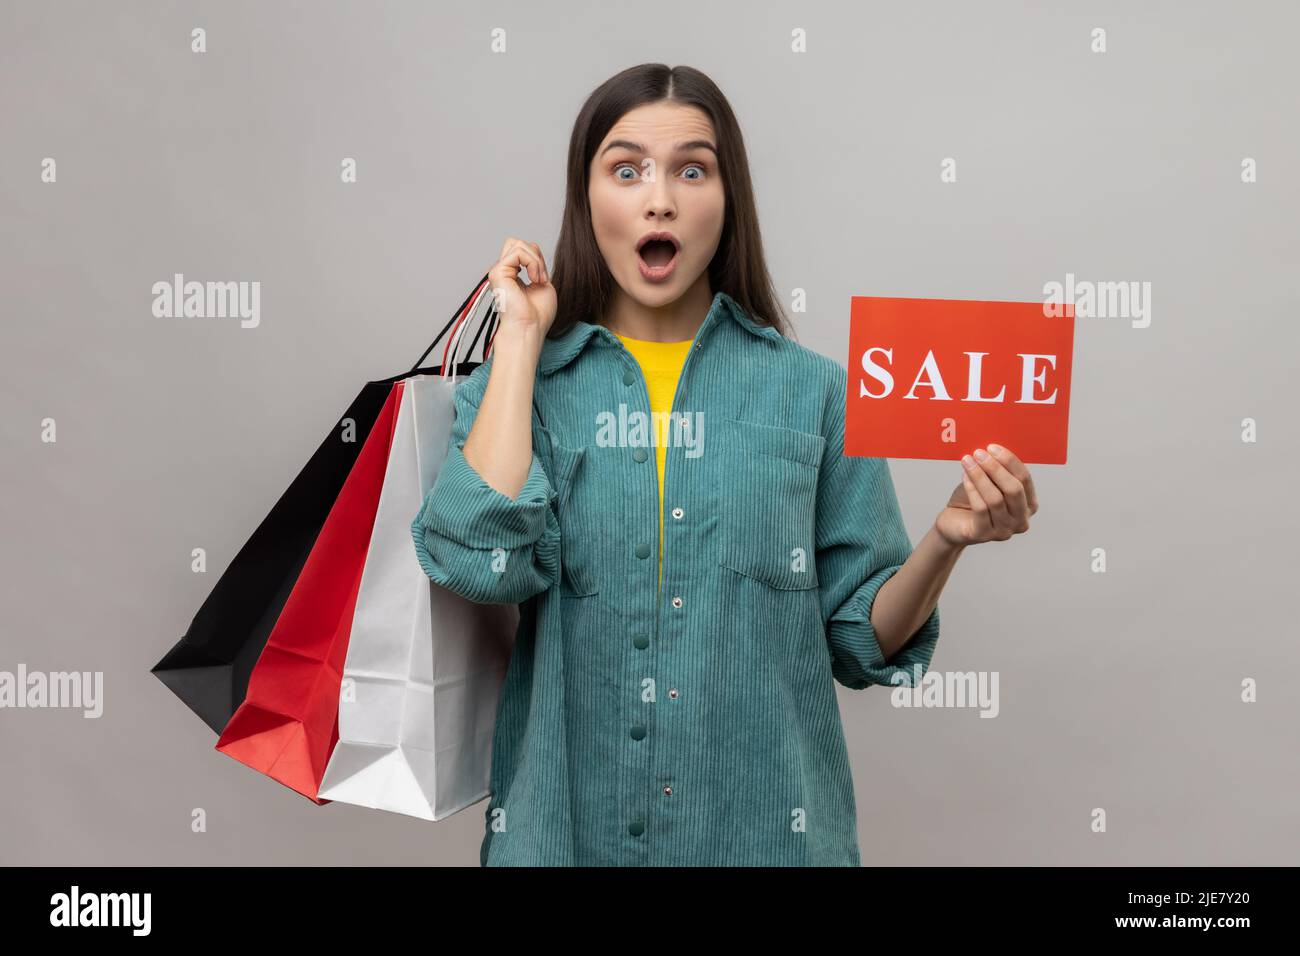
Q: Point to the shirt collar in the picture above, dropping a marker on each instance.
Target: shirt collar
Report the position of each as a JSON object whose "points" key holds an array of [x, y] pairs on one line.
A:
{"points": [[558, 352]]}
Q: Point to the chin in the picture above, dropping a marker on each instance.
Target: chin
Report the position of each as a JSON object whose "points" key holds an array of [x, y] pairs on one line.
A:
{"points": [[654, 294]]}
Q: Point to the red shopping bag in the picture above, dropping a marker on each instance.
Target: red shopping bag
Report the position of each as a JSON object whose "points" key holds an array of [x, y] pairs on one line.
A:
{"points": [[287, 725]]}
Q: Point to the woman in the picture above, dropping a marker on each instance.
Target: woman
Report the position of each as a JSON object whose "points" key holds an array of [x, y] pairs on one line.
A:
{"points": [[682, 710]]}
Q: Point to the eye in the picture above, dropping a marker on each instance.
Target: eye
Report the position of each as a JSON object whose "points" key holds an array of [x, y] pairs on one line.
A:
{"points": [[636, 173]]}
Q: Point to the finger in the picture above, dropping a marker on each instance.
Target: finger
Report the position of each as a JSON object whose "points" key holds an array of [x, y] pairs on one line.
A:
{"points": [[1021, 472], [989, 492], [964, 496], [532, 263], [1013, 492], [506, 258], [503, 286], [979, 510], [541, 259], [519, 257]]}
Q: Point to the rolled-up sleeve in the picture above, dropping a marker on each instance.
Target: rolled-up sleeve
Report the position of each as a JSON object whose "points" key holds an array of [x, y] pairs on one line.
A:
{"points": [[861, 544], [477, 542]]}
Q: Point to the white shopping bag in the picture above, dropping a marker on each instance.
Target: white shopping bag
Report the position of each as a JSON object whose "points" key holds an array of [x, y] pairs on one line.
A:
{"points": [[424, 666]]}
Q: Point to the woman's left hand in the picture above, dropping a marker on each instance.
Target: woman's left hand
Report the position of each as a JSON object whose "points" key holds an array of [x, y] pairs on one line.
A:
{"points": [[994, 500]]}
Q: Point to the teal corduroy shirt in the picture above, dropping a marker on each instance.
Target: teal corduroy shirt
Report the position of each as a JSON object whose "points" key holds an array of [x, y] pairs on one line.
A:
{"points": [[697, 724]]}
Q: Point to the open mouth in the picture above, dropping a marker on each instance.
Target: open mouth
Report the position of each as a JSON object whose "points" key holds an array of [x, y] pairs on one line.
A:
{"points": [[657, 256], [657, 253]]}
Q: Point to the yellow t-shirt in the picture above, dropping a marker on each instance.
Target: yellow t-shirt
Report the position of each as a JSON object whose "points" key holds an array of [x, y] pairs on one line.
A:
{"points": [[661, 364]]}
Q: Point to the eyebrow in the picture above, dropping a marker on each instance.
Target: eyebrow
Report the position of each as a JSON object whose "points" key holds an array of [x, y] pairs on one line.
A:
{"points": [[681, 147]]}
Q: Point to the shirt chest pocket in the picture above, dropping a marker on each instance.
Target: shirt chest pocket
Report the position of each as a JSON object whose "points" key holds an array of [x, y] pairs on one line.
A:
{"points": [[577, 571], [769, 509]]}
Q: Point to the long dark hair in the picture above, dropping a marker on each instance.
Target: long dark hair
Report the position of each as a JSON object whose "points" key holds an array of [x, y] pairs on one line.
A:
{"points": [[583, 283]]}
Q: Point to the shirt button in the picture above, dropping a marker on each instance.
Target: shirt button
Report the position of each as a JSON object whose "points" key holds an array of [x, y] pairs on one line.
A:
{"points": [[673, 693], [638, 731], [677, 513], [640, 642], [628, 376], [643, 550], [639, 455], [668, 791], [677, 602], [636, 828]]}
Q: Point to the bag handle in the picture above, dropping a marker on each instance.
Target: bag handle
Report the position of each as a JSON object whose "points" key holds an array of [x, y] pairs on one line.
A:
{"points": [[451, 351], [457, 315], [488, 325]]}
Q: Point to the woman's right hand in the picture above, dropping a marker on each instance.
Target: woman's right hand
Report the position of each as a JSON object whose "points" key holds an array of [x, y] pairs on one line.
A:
{"points": [[499, 445], [523, 308]]}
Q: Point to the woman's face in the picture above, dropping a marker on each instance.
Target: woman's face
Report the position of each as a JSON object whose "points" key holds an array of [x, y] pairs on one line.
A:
{"points": [[656, 171]]}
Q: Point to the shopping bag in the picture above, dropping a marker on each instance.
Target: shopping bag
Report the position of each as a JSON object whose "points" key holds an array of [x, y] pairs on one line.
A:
{"points": [[288, 724], [208, 669], [424, 666]]}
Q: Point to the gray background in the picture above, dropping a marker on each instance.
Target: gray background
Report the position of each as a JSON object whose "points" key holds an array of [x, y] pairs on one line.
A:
{"points": [[1118, 690]]}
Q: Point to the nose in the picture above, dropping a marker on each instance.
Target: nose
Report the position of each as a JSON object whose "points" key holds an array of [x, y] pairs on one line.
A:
{"points": [[659, 199], [660, 211]]}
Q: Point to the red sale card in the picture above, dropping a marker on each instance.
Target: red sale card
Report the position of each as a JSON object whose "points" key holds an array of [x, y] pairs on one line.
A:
{"points": [[938, 378]]}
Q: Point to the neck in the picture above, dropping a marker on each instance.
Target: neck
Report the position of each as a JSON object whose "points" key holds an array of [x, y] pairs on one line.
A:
{"points": [[676, 321]]}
